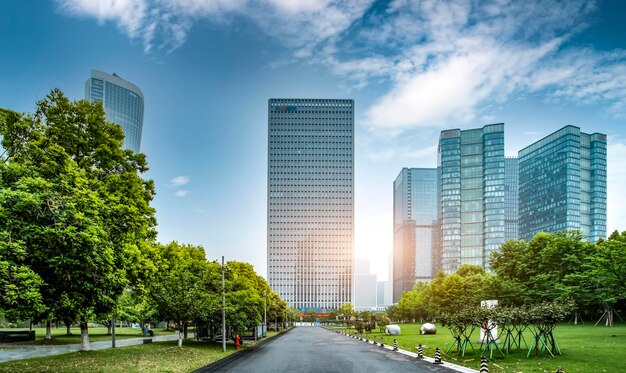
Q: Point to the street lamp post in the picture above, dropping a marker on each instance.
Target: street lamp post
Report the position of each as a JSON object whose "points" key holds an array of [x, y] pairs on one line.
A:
{"points": [[265, 312], [223, 309]]}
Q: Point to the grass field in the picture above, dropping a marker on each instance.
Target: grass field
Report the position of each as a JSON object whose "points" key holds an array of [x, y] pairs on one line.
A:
{"points": [[59, 336], [585, 348], [153, 357]]}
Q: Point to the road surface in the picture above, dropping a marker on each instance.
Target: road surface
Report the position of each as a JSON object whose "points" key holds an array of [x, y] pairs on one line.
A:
{"points": [[313, 349]]}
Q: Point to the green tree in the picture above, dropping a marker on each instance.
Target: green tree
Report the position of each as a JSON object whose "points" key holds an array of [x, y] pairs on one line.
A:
{"points": [[90, 236], [606, 271], [179, 289], [346, 311]]}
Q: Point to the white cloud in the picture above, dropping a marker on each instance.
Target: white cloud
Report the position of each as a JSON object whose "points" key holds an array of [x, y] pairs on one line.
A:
{"points": [[444, 59], [181, 193], [129, 15], [616, 199], [179, 181], [300, 24]]}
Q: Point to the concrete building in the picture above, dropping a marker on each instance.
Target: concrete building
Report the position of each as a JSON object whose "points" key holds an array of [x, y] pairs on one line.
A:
{"points": [[123, 104], [414, 216], [310, 203], [511, 198], [364, 286], [562, 184], [470, 195]]}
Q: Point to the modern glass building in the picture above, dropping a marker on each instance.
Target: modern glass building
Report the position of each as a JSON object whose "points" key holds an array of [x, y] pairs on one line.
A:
{"points": [[511, 198], [562, 184], [310, 230], [122, 102], [470, 188], [414, 215]]}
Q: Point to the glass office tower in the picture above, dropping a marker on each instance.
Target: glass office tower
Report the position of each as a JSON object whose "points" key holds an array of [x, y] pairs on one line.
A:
{"points": [[511, 198], [562, 184], [470, 195], [414, 216], [310, 202], [122, 102]]}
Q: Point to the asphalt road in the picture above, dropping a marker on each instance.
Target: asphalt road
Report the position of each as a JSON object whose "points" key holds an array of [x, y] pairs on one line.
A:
{"points": [[312, 349]]}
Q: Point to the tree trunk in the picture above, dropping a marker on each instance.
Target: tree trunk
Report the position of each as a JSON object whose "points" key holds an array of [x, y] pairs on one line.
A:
{"points": [[67, 326], [185, 325], [180, 338], [48, 331], [109, 329], [276, 323], [84, 337]]}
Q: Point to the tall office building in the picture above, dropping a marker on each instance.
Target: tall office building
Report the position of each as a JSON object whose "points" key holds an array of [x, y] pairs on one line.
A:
{"points": [[562, 184], [511, 198], [365, 287], [414, 215], [122, 102], [470, 195], [310, 229]]}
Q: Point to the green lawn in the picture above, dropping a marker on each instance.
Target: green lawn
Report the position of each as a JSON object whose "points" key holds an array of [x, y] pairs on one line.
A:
{"points": [[95, 335], [153, 357], [585, 348]]}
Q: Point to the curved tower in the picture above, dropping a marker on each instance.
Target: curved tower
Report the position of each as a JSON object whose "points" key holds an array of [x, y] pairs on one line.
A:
{"points": [[122, 102]]}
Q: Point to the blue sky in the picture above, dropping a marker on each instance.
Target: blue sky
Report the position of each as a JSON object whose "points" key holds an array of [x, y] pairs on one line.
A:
{"points": [[207, 68]]}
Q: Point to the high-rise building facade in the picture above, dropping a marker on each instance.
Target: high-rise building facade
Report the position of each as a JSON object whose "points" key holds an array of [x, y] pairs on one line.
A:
{"points": [[562, 184], [365, 286], [414, 216], [122, 102], [511, 198], [310, 233], [470, 195]]}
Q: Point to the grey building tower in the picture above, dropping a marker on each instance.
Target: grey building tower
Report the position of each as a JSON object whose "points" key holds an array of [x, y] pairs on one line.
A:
{"points": [[470, 195], [122, 102], [310, 204], [562, 184], [414, 217], [511, 198]]}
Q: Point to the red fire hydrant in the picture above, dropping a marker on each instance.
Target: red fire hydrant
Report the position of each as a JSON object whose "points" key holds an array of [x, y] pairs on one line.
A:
{"points": [[237, 342]]}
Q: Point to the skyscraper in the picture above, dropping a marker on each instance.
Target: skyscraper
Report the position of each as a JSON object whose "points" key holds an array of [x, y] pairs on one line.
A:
{"points": [[122, 102], [562, 184], [511, 198], [365, 287], [310, 230], [414, 214], [470, 195]]}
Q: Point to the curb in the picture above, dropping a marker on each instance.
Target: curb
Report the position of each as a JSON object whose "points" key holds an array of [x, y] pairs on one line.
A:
{"points": [[217, 366], [446, 364]]}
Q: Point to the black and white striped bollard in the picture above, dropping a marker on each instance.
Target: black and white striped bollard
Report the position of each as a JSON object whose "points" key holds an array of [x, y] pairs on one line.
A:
{"points": [[395, 345], [375, 341], [382, 342], [367, 337], [437, 356], [484, 367], [420, 351]]}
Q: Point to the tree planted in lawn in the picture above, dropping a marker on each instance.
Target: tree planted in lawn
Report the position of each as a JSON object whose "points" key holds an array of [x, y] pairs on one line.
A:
{"points": [[89, 231]]}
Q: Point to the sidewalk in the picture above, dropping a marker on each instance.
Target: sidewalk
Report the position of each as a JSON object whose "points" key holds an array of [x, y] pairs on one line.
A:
{"points": [[28, 352]]}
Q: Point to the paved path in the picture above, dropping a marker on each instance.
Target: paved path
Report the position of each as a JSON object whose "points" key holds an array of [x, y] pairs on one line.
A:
{"points": [[13, 352], [311, 349]]}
